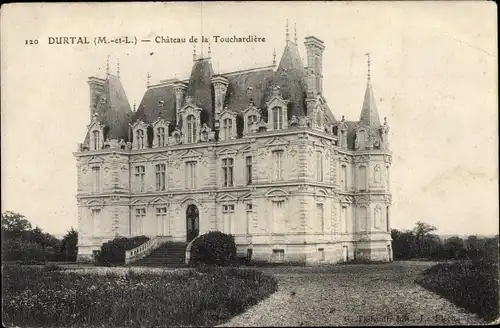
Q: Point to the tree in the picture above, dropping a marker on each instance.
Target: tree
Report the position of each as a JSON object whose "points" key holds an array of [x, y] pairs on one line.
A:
{"points": [[422, 232], [454, 247], [14, 223], [69, 249]]}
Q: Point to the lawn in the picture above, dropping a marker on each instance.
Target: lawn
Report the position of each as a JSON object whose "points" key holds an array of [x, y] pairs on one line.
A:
{"points": [[50, 297], [468, 284]]}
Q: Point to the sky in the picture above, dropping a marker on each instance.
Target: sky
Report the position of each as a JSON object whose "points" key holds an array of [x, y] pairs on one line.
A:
{"points": [[433, 67]]}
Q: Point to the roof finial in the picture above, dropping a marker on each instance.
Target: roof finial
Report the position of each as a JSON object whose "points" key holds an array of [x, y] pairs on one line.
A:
{"points": [[368, 55], [107, 65], [134, 106], [287, 35], [148, 78], [295, 32], [194, 52], [274, 57], [118, 67], [209, 49]]}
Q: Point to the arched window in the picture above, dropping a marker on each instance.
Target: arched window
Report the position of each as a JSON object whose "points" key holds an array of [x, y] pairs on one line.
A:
{"points": [[227, 128], [140, 139], [160, 136], [318, 117], [191, 129], [277, 118], [95, 135]]}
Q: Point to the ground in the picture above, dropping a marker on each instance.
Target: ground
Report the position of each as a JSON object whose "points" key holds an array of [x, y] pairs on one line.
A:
{"points": [[361, 294]]}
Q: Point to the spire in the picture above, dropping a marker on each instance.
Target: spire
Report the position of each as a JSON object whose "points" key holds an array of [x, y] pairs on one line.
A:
{"points": [[134, 106], [295, 32], [118, 67], [369, 112], [209, 50], [287, 34], [274, 57], [368, 58], [148, 78], [107, 66], [194, 52]]}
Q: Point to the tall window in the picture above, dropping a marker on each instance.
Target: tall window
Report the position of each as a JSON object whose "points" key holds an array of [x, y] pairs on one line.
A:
{"points": [[320, 213], [278, 215], [249, 217], [343, 177], [160, 176], [140, 139], [161, 218], [139, 174], [191, 175], [140, 213], [278, 164], [376, 174], [95, 135], [318, 117], [251, 119], [278, 255], [278, 118], [343, 219], [95, 220], [249, 169], [227, 128], [227, 170], [377, 217], [96, 176], [227, 216], [387, 178], [191, 129], [362, 217], [160, 135], [362, 178], [319, 165]]}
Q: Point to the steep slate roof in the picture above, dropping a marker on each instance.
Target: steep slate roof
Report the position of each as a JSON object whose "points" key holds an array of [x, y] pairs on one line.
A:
{"points": [[200, 88], [238, 96], [369, 112], [151, 106], [290, 77], [113, 109]]}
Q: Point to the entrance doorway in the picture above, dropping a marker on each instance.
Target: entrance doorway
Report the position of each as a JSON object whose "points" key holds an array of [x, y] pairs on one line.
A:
{"points": [[192, 222]]}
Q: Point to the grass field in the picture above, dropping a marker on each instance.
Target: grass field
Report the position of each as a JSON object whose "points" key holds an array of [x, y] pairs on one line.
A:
{"points": [[50, 297]]}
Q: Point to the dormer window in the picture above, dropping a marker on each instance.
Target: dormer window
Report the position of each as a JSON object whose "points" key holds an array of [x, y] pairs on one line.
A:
{"points": [[160, 136], [251, 120], [191, 129], [177, 138], [278, 118], [140, 139], [227, 128], [95, 136]]}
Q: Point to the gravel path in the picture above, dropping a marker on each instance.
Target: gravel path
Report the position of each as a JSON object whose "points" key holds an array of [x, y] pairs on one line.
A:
{"points": [[351, 295]]}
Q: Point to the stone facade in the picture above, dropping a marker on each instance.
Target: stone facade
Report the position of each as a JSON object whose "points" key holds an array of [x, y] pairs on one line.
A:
{"points": [[283, 176]]}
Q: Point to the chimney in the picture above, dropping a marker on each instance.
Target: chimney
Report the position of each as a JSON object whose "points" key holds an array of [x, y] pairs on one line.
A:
{"points": [[180, 91], [96, 88], [220, 87], [315, 49]]}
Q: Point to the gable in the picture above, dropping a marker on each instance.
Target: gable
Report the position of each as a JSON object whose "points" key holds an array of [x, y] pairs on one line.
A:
{"points": [[226, 197], [277, 141], [138, 159], [245, 149], [158, 201], [138, 202], [95, 160], [158, 157], [227, 151], [190, 153]]}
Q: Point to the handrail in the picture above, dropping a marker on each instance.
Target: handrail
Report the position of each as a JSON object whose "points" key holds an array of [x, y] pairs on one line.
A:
{"points": [[145, 249]]}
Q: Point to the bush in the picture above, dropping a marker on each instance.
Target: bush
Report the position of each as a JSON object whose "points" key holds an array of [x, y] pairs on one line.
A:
{"points": [[213, 248], [25, 252], [113, 251], [471, 285]]}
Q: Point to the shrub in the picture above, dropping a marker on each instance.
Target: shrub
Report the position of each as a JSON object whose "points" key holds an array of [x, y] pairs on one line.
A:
{"points": [[23, 251], [113, 251], [213, 248]]}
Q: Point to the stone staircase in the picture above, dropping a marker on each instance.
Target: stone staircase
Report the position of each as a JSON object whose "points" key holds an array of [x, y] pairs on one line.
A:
{"points": [[169, 254]]}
